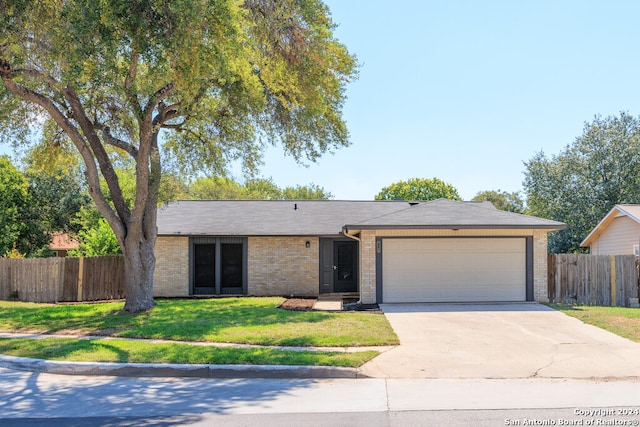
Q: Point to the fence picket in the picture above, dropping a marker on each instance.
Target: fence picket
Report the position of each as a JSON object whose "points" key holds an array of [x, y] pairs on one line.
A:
{"points": [[56, 279], [587, 279]]}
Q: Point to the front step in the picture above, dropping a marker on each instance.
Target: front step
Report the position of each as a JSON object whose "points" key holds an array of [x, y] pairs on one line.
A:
{"points": [[328, 302]]}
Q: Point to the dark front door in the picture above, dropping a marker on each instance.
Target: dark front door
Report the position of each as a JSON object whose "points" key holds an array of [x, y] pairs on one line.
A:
{"points": [[345, 266]]}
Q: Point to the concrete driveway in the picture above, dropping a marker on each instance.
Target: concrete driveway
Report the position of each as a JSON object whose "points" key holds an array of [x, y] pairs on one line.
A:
{"points": [[525, 340]]}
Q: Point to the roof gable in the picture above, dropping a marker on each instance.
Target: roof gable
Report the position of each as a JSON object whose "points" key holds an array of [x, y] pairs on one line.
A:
{"points": [[630, 211]]}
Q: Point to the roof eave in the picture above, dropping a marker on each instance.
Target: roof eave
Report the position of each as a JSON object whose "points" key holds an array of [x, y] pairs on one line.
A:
{"points": [[550, 227]]}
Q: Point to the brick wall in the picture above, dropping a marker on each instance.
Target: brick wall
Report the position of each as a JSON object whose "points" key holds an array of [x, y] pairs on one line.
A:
{"points": [[368, 267], [540, 293], [283, 266], [171, 277]]}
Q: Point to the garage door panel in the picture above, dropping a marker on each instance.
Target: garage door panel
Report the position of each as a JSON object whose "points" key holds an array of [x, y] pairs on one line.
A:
{"points": [[454, 270]]}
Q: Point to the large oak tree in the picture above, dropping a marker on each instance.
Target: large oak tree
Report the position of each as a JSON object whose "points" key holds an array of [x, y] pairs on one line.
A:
{"points": [[203, 81]]}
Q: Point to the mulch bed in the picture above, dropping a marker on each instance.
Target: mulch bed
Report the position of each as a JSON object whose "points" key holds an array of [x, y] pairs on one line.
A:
{"points": [[306, 304], [298, 304]]}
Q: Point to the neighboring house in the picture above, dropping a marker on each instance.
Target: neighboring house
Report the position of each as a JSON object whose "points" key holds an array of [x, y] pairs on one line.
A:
{"points": [[61, 243], [384, 251], [617, 234]]}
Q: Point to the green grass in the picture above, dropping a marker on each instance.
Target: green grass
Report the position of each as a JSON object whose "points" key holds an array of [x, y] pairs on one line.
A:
{"points": [[114, 350], [622, 321], [233, 320]]}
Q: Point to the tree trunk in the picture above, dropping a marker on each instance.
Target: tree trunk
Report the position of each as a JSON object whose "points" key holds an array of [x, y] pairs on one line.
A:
{"points": [[139, 265]]}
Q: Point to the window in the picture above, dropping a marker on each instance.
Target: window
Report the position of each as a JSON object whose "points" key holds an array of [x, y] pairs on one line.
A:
{"points": [[218, 265]]}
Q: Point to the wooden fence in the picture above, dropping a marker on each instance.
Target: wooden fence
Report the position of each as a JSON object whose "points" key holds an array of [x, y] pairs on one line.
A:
{"points": [[608, 280], [62, 279]]}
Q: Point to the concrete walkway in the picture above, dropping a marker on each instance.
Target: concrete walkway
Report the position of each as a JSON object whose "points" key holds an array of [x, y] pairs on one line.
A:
{"points": [[525, 340], [328, 303]]}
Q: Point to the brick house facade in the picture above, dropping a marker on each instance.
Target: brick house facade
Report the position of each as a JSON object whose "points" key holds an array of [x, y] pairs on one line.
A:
{"points": [[209, 247]]}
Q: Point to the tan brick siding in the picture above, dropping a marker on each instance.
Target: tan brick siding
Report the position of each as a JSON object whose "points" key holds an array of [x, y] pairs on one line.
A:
{"points": [[540, 293], [283, 266], [171, 277], [368, 267]]}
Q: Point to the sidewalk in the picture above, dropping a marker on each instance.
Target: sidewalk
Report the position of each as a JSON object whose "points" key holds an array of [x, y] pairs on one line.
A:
{"points": [[181, 370]]}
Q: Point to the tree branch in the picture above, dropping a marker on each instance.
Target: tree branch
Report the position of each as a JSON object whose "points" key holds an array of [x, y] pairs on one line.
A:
{"points": [[132, 72], [76, 137], [100, 154], [28, 72], [157, 97], [116, 142]]}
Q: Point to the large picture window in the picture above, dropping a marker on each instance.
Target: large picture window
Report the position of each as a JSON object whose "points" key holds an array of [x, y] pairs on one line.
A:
{"points": [[218, 265]]}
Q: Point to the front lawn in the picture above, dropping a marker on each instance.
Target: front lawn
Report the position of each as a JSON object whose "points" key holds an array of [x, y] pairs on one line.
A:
{"points": [[113, 350], [232, 320], [622, 321]]}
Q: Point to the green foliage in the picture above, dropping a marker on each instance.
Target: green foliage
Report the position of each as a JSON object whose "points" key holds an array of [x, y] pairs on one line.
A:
{"points": [[600, 169], [503, 200], [419, 189], [59, 196], [21, 230], [236, 74], [219, 188], [95, 236], [306, 192]]}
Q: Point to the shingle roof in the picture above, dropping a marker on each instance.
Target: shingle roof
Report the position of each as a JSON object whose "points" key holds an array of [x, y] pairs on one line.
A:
{"points": [[443, 213], [328, 217], [267, 217]]}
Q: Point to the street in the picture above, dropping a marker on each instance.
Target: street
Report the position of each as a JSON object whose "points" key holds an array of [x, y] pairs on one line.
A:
{"points": [[37, 399]]}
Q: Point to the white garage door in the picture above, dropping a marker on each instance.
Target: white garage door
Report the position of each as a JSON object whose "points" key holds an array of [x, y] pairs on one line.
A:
{"points": [[453, 270]]}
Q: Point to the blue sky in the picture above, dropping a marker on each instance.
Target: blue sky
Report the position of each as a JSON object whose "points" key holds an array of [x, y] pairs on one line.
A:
{"points": [[467, 91]]}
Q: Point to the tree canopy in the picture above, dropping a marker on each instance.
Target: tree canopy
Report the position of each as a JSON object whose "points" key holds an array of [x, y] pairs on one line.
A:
{"points": [[202, 82], [220, 188], [21, 227], [503, 200], [419, 189], [580, 185]]}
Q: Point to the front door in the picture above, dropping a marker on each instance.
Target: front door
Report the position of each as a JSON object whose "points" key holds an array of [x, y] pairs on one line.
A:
{"points": [[338, 266], [346, 266]]}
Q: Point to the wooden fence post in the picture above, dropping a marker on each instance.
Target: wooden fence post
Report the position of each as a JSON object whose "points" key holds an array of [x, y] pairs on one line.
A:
{"points": [[613, 280], [80, 278]]}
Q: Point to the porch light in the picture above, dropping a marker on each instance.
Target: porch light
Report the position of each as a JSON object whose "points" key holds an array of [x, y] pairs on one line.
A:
{"points": [[307, 244]]}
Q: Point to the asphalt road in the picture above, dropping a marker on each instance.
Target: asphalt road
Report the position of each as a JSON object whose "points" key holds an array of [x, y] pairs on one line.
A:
{"points": [[28, 398], [450, 418]]}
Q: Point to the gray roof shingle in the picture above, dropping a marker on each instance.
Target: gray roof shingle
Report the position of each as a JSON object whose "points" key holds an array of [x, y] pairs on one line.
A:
{"points": [[443, 213], [328, 217]]}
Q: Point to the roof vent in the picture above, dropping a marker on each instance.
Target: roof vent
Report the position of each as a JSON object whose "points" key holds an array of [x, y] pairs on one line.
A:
{"points": [[413, 203], [295, 206]]}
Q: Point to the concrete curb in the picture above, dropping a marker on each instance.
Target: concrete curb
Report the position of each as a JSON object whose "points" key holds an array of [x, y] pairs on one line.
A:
{"points": [[175, 370]]}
